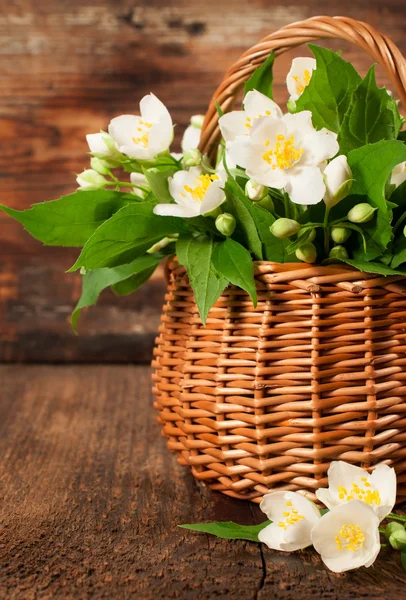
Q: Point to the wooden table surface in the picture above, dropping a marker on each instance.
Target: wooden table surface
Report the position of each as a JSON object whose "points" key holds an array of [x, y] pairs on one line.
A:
{"points": [[90, 503]]}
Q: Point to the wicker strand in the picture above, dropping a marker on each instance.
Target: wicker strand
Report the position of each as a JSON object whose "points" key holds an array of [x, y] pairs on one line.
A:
{"points": [[378, 46]]}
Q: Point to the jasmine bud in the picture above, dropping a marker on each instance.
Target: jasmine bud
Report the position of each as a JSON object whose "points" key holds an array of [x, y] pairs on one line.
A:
{"points": [[225, 224], [338, 252], [284, 228], [255, 191], [361, 213], [307, 253], [192, 158], [392, 527], [91, 180], [100, 165], [398, 539], [340, 235]]}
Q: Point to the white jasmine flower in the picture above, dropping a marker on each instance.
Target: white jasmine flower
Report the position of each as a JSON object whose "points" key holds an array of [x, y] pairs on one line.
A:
{"points": [[286, 154], [90, 179], [143, 137], [195, 193], [347, 537], [240, 122], [299, 76], [338, 180], [399, 174], [191, 137], [141, 180], [293, 518], [348, 482]]}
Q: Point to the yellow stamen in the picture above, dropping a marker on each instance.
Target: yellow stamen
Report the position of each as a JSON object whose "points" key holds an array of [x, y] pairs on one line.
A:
{"points": [[350, 537], [202, 184], [284, 155], [143, 128]]}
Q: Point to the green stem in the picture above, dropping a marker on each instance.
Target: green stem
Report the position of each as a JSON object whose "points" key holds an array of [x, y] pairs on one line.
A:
{"points": [[123, 184], [394, 516], [286, 205], [399, 222]]}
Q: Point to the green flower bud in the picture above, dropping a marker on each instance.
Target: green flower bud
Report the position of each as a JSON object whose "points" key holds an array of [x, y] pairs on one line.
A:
{"points": [[225, 223], [284, 228], [255, 191], [340, 235], [338, 252], [91, 180], [398, 539], [361, 213], [307, 253], [404, 231], [197, 121], [291, 106], [192, 158], [100, 165], [392, 527], [162, 243]]}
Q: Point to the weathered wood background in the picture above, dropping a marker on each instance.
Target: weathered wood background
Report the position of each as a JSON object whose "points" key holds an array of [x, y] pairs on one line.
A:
{"points": [[66, 68]]}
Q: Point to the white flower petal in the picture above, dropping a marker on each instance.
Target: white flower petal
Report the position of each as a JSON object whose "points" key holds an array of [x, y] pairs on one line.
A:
{"points": [[267, 128], [272, 536], [155, 111], [383, 479], [300, 124], [213, 198], [324, 496], [232, 125], [240, 151], [123, 128], [297, 536], [319, 146], [298, 77], [191, 138], [258, 105], [398, 174], [174, 210], [306, 185]]}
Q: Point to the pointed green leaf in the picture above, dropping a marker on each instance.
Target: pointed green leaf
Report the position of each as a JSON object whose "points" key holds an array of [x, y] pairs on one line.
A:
{"points": [[371, 167], [228, 530], [329, 92], [372, 116], [94, 282], [234, 262], [71, 220], [158, 182], [240, 207], [262, 78], [372, 267], [128, 234], [196, 255]]}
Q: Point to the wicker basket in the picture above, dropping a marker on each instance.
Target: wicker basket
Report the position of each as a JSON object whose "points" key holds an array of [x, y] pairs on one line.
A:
{"points": [[264, 398]]}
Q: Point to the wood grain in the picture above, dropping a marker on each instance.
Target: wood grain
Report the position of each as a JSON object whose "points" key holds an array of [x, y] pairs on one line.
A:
{"points": [[90, 501], [67, 68]]}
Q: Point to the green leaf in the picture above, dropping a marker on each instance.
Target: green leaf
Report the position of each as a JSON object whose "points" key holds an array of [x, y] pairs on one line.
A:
{"points": [[399, 251], [196, 255], [130, 285], [229, 530], [234, 262], [262, 78], [241, 208], [329, 92], [372, 267], [372, 116], [398, 197], [128, 234], [71, 220], [158, 182], [94, 282], [371, 167], [275, 249]]}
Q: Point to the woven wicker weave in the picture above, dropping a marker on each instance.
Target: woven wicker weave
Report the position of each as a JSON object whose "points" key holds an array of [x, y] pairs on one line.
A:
{"points": [[264, 398]]}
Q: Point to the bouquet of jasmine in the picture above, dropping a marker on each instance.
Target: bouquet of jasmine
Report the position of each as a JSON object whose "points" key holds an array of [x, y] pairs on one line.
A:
{"points": [[324, 183]]}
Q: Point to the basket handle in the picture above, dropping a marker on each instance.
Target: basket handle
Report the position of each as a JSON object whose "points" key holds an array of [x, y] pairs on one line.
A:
{"points": [[378, 46]]}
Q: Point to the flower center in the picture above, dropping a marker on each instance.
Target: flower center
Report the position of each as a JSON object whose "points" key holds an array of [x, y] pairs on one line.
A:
{"points": [[202, 184], [291, 515], [248, 120], [363, 492], [350, 537], [143, 130], [284, 155], [301, 84]]}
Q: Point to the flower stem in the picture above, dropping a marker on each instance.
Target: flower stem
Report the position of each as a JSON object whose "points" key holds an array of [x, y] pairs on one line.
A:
{"points": [[394, 516]]}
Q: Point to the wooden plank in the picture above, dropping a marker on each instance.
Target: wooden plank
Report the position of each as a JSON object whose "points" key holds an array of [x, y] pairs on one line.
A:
{"points": [[67, 68], [90, 501]]}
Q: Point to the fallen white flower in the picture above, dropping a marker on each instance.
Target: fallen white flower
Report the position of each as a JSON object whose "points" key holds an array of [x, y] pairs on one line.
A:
{"points": [[348, 482], [293, 518], [347, 537]]}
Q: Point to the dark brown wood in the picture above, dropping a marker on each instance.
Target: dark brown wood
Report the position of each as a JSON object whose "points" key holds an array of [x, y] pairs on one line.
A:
{"points": [[90, 501], [66, 68]]}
